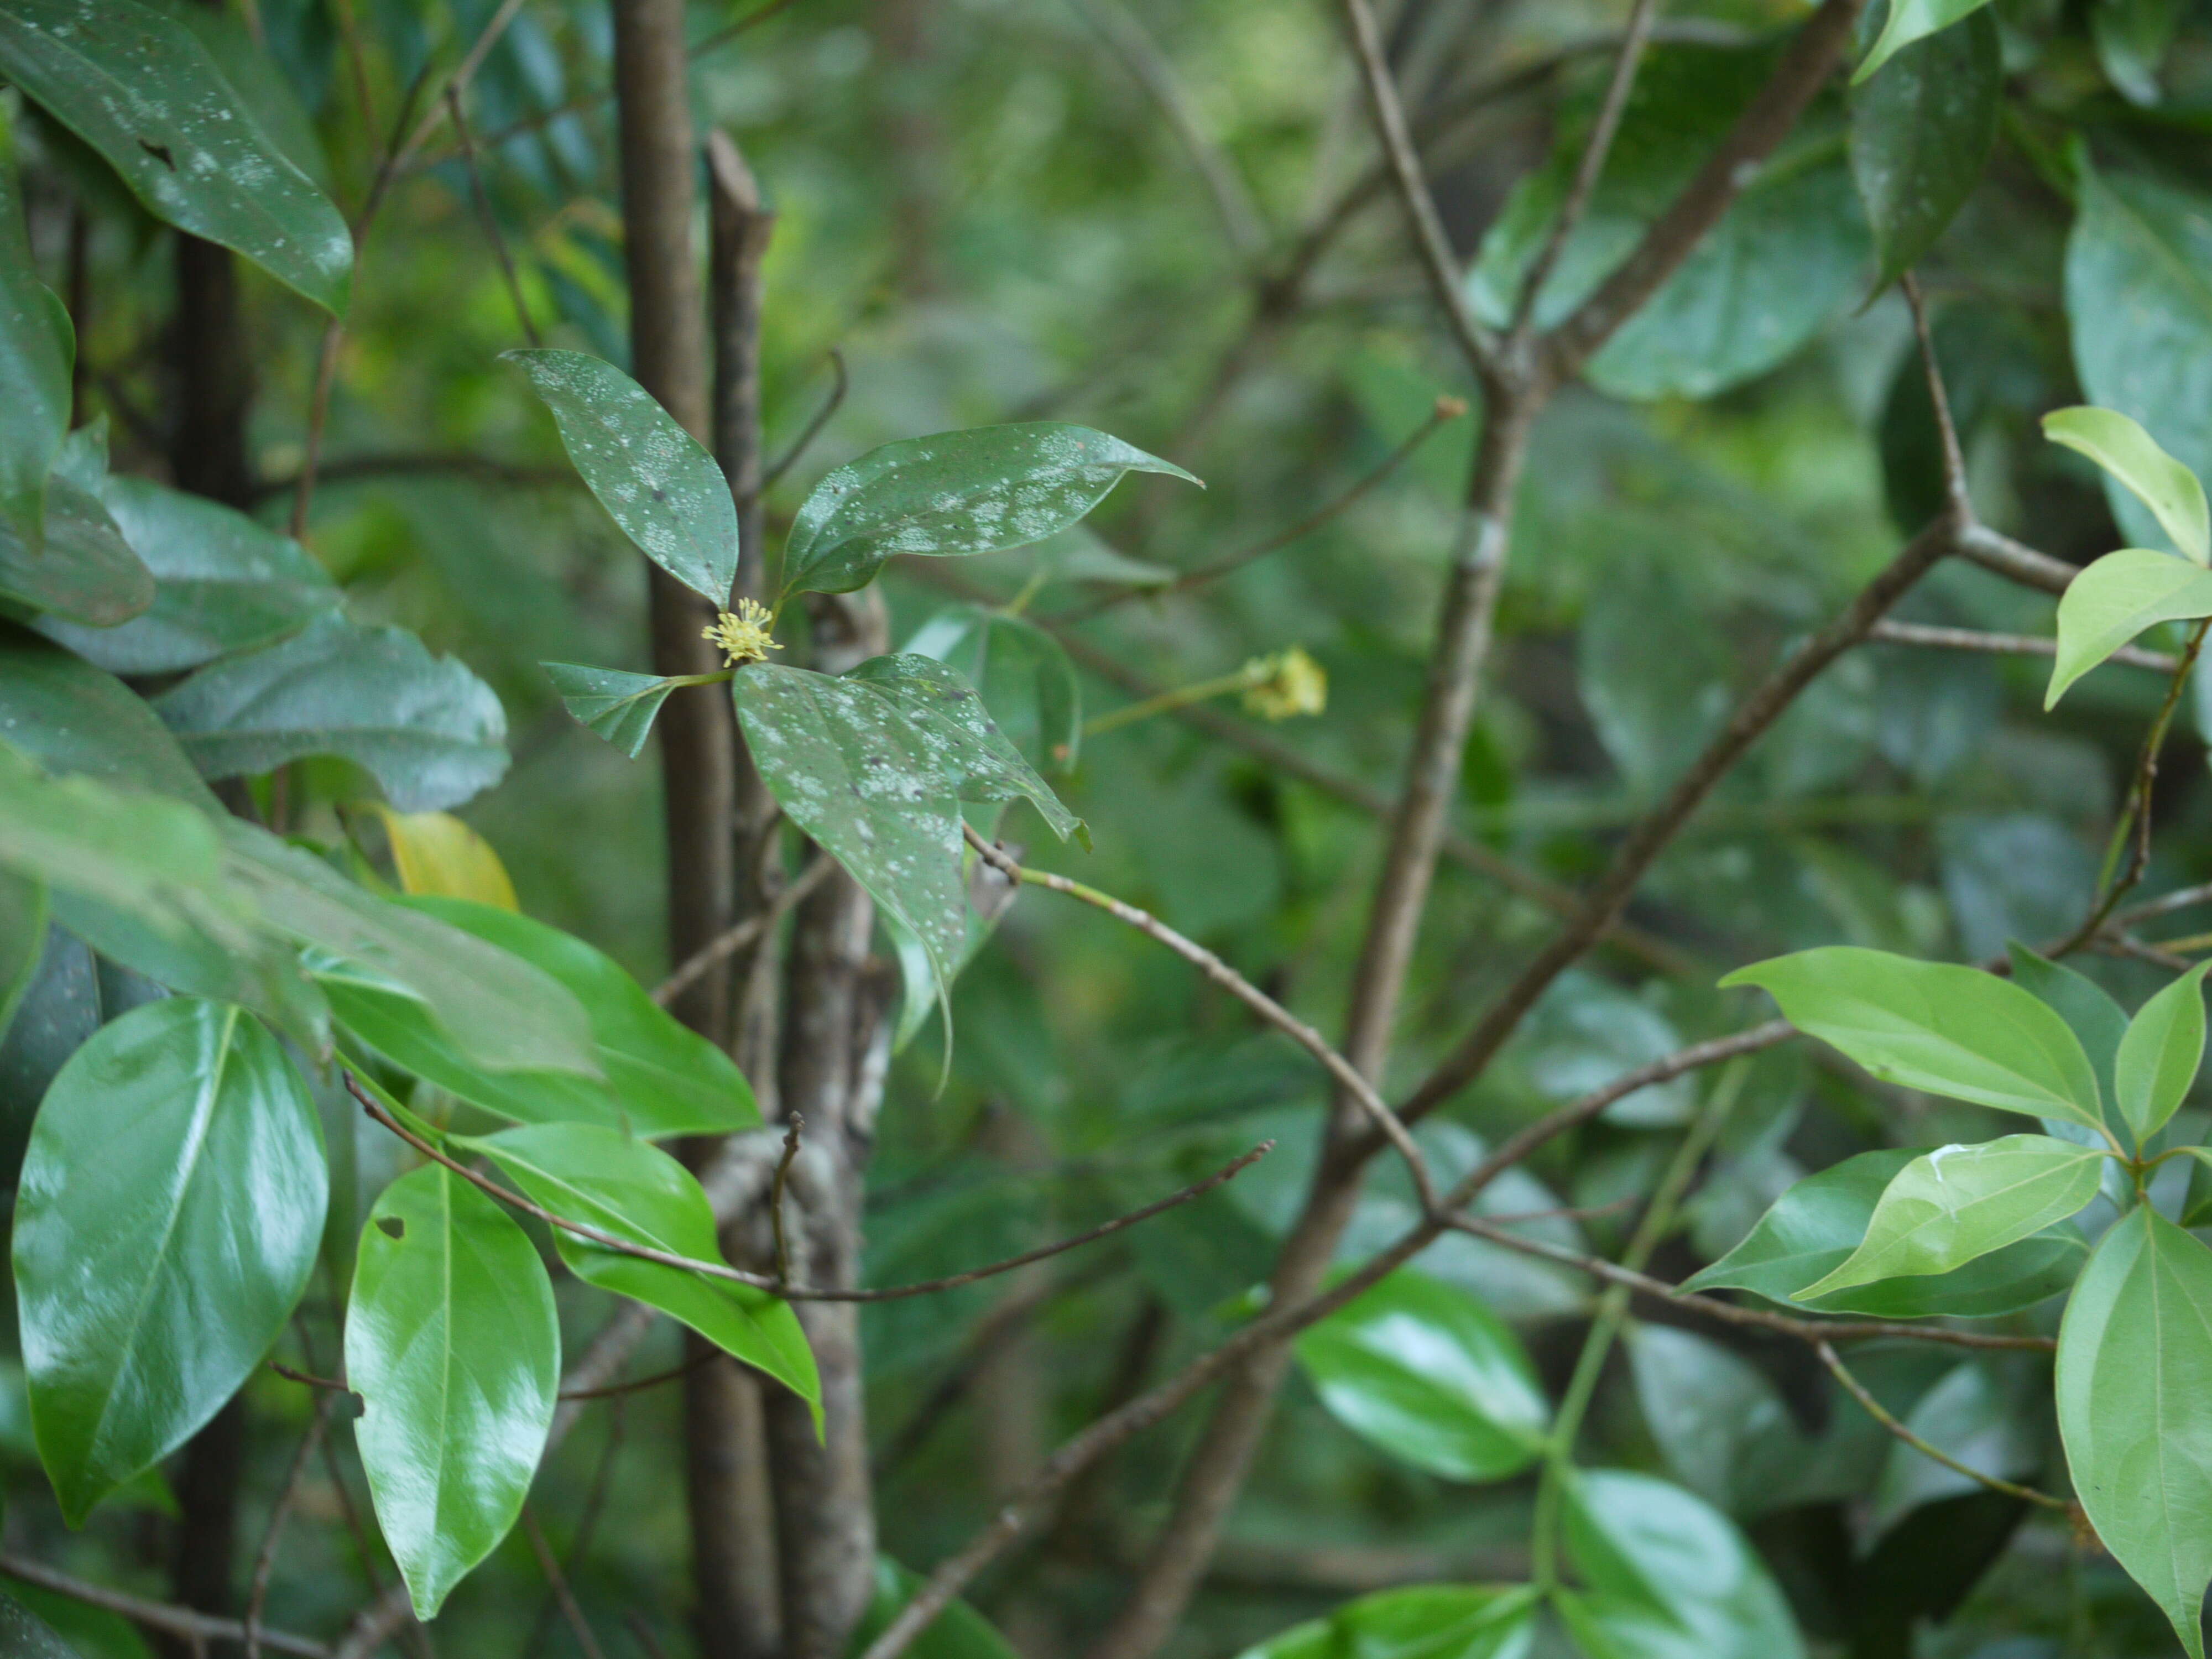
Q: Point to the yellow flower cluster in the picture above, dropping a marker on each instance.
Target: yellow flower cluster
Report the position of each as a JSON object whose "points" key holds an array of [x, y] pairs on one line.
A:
{"points": [[1288, 684], [743, 635]]}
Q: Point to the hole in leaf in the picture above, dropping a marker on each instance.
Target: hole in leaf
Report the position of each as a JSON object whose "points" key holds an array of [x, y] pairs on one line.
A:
{"points": [[392, 1226], [160, 152]]}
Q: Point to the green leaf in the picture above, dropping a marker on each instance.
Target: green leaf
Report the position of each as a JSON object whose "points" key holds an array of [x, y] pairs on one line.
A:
{"points": [[82, 570], [37, 348], [1910, 21], [656, 479], [620, 707], [2133, 37], [2086, 1006], [1718, 1419], [956, 492], [2159, 1056], [451, 1342], [1423, 1621], [24, 1635], [2135, 1408], [604, 1179], [1937, 1026], [501, 1011], [1815, 1227], [1024, 675], [1664, 1576], [661, 1079], [959, 1632], [222, 583], [22, 938], [169, 1212], [1430, 1375], [2139, 305], [1921, 131], [431, 731], [2131, 455], [139, 88], [1969, 1416], [71, 717], [2116, 599], [1950, 1206]]}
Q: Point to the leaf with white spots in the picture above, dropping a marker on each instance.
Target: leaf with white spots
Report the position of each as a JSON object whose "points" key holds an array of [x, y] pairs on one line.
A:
{"points": [[659, 482], [978, 491]]}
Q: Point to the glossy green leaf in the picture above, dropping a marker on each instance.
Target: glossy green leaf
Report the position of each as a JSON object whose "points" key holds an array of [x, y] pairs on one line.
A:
{"points": [[1921, 131], [501, 1011], [2115, 599], [139, 88], [955, 493], [2135, 1408], [2159, 1056], [2086, 1006], [222, 582], [663, 1079], [657, 480], [2132, 456], [169, 1212], [1430, 1375], [959, 1632], [620, 707], [1422, 1621], [37, 347], [431, 731], [259, 85], [1968, 1415], [1721, 1424], [1950, 1206], [604, 1179], [1813, 1229], [2139, 306], [1024, 675], [451, 1342], [1661, 1575], [1948, 1030], [82, 570], [1910, 20]]}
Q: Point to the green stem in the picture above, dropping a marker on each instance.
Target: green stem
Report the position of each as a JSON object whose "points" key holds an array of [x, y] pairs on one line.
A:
{"points": [[1612, 1309], [1168, 701]]}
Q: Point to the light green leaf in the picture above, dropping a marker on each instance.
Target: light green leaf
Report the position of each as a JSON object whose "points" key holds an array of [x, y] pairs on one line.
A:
{"points": [[956, 492], [1423, 1621], [451, 1342], [2115, 599], [431, 731], [661, 1079], [1921, 131], [139, 88], [2139, 305], [82, 570], [1950, 1206], [1664, 1576], [604, 1179], [1815, 1227], [169, 1212], [1430, 1375], [2159, 1056], [2135, 1408], [221, 583], [37, 347], [1948, 1030], [2131, 455], [658, 481], [620, 707], [1910, 21]]}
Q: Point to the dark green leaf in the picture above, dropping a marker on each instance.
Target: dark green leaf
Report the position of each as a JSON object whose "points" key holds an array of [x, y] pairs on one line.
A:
{"points": [[659, 483], [37, 347], [1949, 1029], [1951, 1206], [955, 493], [2135, 1408], [23, 1635], [71, 717], [1025, 676], [2115, 599], [222, 583], [138, 87], [1722, 1425], [959, 1632], [2132, 38], [451, 1342], [604, 1179], [1812, 1230], [167, 1219], [2157, 1059], [2086, 1006], [1424, 1621], [22, 939], [432, 733], [1920, 132], [82, 570], [1432, 1376], [1663, 1576], [1969, 1416], [618, 706], [60, 1008], [1910, 20]]}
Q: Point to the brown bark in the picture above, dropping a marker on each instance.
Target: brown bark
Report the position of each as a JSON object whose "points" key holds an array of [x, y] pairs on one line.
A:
{"points": [[214, 377]]}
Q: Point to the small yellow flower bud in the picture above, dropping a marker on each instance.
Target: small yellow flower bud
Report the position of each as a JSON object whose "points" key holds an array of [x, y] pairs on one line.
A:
{"points": [[1289, 683], [743, 634]]}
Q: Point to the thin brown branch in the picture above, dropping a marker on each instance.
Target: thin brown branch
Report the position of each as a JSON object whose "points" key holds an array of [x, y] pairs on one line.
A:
{"points": [[734, 939], [1438, 263], [2004, 645], [197, 1628], [1881, 1414], [753, 19], [1347, 1076], [775, 1196], [405, 464], [309, 1378], [812, 430], [638, 1385], [1947, 430], [578, 1626], [264, 1561], [2180, 899], [1999, 553], [489, 218]]}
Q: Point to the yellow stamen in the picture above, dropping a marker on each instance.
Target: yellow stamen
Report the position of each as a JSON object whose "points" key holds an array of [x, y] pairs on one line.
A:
{"points": [[743, 634]]}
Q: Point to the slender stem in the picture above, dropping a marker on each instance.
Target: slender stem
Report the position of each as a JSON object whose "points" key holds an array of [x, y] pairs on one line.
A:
{"points": [[264, 1561], [578, 1626], [197, 1628], [734, 939], [776, 1197], [489, 219], [2004, 645], [1947, 430], [1166, 702], [1882, 1414], [783, 463]]}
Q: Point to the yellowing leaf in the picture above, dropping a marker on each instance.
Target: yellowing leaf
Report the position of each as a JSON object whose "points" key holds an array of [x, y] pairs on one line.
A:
{"points": [[438, 856]]}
